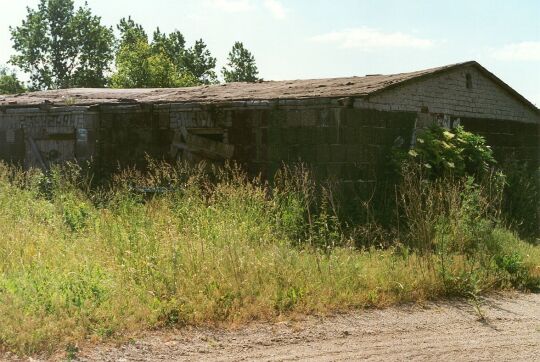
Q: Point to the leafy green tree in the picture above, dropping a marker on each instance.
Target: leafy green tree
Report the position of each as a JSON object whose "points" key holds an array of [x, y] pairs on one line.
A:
{"points": [[139, 67], [241, 66], [172, 45], [163, 62], [130, 32], [199, 61], [61, 47], [9, 84]]}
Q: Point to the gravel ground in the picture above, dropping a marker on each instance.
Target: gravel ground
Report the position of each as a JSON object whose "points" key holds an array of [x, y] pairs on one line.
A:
{"points": [[446, 331]]}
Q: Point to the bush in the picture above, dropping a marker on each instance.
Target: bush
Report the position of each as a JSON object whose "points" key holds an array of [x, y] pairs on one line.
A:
{"points": [[457, 152]]}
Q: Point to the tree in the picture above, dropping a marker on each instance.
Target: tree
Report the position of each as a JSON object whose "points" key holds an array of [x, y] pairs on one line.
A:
{"points": [[199, 61], [173, 45], [60, 47], [138, 66], [9, 84], [163, 62], [131, 57], [241, 66]]}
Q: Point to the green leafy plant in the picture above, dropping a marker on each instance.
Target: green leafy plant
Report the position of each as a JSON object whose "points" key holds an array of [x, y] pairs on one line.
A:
{"points": [[457, 152]]}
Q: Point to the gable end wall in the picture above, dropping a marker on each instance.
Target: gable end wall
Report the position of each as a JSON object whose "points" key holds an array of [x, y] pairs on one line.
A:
{"points": [[447, 93]]}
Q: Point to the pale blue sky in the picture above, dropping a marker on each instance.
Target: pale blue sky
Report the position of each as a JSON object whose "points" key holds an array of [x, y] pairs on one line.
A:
{"points": [[294, 39]]}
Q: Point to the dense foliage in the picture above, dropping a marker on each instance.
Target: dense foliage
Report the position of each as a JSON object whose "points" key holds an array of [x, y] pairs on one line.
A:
{"points": [[447, 155], [241, 65], [440, 152], [9, 83], [163, 62], [140, 64], [60, 47]]}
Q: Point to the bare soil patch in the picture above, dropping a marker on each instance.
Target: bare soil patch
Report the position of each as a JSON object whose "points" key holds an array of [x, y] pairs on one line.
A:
{"points": [[434, 331], [454, 330]]}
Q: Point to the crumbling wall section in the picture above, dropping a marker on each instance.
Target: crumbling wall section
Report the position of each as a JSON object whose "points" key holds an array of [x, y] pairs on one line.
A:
{"points": [[38, 137], [342, 143]]}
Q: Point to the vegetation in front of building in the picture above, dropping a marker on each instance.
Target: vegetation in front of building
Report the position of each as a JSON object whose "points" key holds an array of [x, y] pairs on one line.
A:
{"points": [[180, 245]]}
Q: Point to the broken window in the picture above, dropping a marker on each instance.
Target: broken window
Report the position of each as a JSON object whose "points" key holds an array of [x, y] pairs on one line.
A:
{"points": [[197, 144]]}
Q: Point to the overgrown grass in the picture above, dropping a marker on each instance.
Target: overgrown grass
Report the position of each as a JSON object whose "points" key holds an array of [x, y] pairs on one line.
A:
{"points": [[179, 246]]}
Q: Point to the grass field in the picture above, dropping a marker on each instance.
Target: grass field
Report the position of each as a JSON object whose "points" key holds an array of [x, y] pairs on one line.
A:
{"points": [[80, 264]]}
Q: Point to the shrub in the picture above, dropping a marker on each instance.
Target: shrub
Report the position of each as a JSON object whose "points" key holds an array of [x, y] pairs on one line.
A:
{"points": [[456, 152]]}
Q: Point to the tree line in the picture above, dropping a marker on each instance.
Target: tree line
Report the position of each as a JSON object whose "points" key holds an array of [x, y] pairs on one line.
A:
{"points": [[59, 46]]}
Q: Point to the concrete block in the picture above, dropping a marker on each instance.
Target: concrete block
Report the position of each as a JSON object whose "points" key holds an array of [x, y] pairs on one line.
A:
{"points": [[322, 153], [338, 153]]}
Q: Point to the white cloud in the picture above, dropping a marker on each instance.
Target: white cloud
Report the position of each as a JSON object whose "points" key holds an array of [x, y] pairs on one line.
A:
{"points": [[276, 8], [232, 6], [527, 50], [368, 39]]}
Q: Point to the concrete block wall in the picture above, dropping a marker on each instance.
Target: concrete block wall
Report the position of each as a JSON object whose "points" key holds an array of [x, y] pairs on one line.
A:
{"points": [[447, 93], [130, 133], [509, 140], [344, 144], [74, 125]]}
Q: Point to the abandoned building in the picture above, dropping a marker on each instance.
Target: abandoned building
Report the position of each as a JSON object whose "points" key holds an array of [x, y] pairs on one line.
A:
{"points": [[341, 127]]}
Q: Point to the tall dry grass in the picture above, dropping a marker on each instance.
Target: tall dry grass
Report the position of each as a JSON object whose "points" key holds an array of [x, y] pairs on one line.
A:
{"points": [[187, 245]]}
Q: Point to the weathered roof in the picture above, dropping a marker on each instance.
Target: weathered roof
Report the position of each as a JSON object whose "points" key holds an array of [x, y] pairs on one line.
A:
{"points": [[267, 90]]}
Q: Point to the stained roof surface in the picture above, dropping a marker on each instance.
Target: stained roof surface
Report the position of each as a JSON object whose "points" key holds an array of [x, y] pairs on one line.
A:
{"points": [[267, 90]]}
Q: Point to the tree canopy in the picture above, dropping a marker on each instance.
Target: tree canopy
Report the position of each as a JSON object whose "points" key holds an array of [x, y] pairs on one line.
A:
{"points": [[162, 62], [61, 47], [241, 65], [9, 84], [199, 62]]}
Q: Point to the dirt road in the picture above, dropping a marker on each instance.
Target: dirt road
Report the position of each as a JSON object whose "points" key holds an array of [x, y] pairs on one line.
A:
{"points": [[448, 331]]}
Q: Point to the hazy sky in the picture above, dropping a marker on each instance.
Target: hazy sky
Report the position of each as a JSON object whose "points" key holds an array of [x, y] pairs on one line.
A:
{"points": [[294, 39]]}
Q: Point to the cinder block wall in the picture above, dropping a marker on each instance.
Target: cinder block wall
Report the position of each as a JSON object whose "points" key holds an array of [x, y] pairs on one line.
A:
{"points": [[53, 128], [347, 141], [447, 93], [344, 144], [128, 134], [509, 140], [510, 127]]}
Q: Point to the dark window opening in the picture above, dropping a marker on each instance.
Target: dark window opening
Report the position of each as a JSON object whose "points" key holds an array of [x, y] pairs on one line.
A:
{"points": [[213, 134], [218, 137], [468, 79]]}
